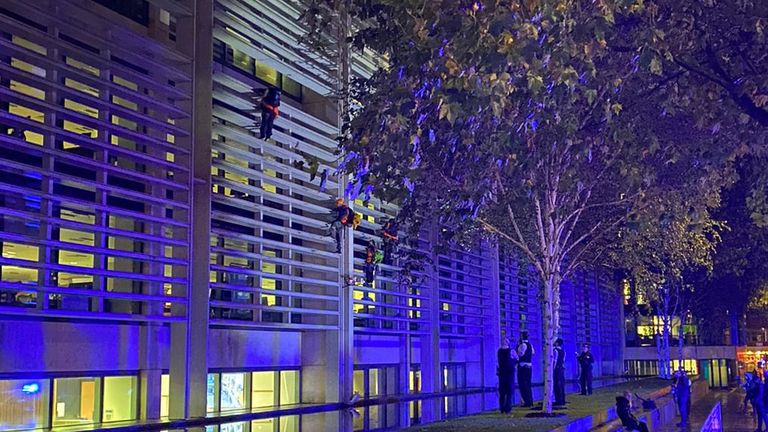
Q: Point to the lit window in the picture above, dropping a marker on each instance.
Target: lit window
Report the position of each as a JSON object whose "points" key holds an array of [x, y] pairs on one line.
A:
{"points": [[263, 389], [24, 403], [232, 391], [165, 395], [119, 398], [289, 387], [267, 74], [211, 390], [74, 401]]}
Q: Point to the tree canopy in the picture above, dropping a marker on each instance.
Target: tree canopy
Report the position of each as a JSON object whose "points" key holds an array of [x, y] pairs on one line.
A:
{"points": [[545, 124]]}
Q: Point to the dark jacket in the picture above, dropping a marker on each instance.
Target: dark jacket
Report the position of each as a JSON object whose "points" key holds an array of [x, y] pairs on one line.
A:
{"points": [[506, 363], [585, 360], [624, 411]]}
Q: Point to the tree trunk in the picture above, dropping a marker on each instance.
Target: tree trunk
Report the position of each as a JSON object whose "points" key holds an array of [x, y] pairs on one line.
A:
{"points": [[551, 327], [665, 354]]}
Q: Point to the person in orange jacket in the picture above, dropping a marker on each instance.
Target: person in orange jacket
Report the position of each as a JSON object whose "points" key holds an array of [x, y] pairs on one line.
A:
{"points": [[342, 217], [269, 112]]}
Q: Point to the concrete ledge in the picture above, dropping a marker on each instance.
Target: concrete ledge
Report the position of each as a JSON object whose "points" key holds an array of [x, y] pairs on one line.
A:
{"points": [[607, 421]]}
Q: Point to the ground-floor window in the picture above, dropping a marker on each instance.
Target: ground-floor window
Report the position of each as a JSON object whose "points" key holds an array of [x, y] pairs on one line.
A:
{"points": [[371, 382], [67, 401], [454, 378]]}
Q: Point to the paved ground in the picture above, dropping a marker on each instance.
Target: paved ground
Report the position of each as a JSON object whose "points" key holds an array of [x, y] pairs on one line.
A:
{"points": [[733, 419], [578, 406]]}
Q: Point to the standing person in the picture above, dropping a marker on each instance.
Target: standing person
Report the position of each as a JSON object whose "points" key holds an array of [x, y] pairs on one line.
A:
{"points": [[270, 110], [373, 257], [524, 369], [681, 388], [507, 359], [559, 373], [585, 360]]}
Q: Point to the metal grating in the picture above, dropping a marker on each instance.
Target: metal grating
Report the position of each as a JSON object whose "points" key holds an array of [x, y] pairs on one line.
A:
{"points": [[95, 196]]}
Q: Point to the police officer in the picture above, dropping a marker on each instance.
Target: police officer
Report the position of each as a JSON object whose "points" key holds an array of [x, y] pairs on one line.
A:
{"points": [[681, 388], [585, 360], [559, 373], [506, 371], [524, 369]]}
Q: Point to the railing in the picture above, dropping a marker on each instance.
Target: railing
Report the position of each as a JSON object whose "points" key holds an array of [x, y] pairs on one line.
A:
{"points": [[714, 422]]}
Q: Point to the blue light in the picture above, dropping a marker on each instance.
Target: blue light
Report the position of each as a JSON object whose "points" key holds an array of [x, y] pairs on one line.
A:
{"points": [[30, 388]]}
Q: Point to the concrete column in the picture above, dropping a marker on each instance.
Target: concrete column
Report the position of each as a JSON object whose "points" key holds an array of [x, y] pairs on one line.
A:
{"points": [[491, 327], [404, 419], [189, 338], [430, 343]]}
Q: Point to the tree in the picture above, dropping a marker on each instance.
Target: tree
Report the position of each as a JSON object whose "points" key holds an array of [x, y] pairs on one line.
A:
{"points": [[740, 266], [672, 238], [517, 119]]}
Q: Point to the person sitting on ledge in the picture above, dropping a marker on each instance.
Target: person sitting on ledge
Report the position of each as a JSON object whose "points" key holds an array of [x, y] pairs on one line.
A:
{"points": [[624, 411]]}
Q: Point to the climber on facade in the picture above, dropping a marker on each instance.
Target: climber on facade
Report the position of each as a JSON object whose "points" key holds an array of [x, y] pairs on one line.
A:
{"points": [[269, 112]]}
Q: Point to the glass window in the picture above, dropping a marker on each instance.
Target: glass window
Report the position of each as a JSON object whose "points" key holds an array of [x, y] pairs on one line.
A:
{"points": [[267, 74], [263, 389], [75, 401], [232, 427], [289, 424], [289, 387], [211, 391], [232, 391], [119, 398], [24, 404], [165, 395]]}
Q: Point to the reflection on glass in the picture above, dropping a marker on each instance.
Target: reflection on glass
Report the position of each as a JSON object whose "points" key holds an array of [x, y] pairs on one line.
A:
{"points": [[289, 387], [165, 395], [232, 391], [211, 394], [23, 404]]}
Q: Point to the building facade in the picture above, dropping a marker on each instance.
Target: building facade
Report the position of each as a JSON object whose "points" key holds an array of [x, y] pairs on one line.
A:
{"points": [[160, 261]]}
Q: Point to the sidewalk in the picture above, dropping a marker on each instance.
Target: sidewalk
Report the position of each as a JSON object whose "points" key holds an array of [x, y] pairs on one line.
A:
{"points": [[733, 419]]}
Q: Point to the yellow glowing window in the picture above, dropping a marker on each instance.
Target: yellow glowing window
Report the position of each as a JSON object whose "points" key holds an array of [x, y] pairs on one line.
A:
{"points": [[263, 389], [82, 109], [124, 123], [168, 270], [371, 218], [77, 217], [28, 67], [77, 237], [212, 276], [25, 43], [267, 74], [269, 187], [124, 83], [242, 60], [80, 129], [18, 274], [77, 64], [236, 262], [362, 295], [29, 113], [170, 138], [268, 267], [270, 172], [268, 299], [78, 259], [446, 307], [20, 251], [83, 88], [27, 90], [236, 177], [170, 157], [74, 280], [124, 103]]}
